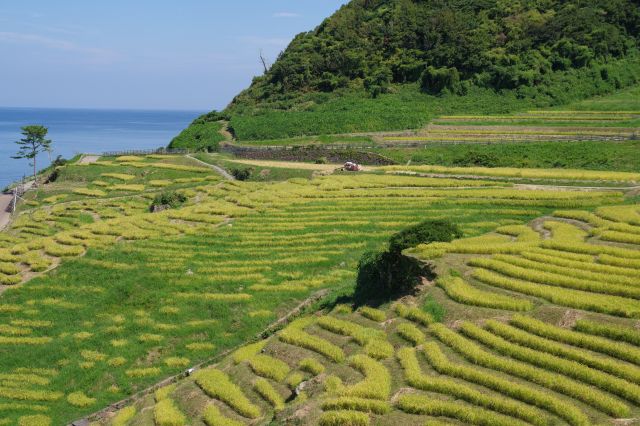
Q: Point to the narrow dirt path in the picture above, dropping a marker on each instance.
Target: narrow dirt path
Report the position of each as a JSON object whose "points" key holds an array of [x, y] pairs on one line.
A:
{"points": [[218, 169], [5, 216], [224, 131]]}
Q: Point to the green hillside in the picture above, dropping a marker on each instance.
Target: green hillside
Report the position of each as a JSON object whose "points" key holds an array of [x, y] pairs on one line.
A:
{"points": [[395, 64]]}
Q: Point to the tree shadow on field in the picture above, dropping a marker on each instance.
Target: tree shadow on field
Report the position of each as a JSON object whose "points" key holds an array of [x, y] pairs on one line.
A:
{"points": [[387, 275]]}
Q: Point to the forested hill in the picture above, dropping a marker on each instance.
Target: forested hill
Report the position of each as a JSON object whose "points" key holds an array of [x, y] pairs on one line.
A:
{"points": [[502, 44], [532, 48]]}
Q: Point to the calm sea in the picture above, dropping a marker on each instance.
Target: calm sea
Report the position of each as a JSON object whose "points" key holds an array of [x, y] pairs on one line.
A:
{"points": [[75, 131]]}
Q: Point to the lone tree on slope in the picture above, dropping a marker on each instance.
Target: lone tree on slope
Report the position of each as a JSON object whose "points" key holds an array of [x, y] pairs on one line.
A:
{"points": [[33, 143]]}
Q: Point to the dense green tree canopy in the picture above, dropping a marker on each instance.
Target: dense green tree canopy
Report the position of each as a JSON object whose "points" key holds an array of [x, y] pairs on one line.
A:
{"points": [[447, 45]]}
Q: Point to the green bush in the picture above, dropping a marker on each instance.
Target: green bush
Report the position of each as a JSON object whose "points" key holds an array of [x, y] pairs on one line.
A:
{"points": [[436, 80], [242, 173], [201, 135], [425, 232], [382, 275], [172, 199]]}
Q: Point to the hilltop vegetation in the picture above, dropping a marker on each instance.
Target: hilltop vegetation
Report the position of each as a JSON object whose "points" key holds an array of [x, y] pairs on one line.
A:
{"points": [[395, 64], [448, 45], [203, 134]]}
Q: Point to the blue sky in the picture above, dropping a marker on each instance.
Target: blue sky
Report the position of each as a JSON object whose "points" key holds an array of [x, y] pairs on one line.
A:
{"points": [[143, 54]]}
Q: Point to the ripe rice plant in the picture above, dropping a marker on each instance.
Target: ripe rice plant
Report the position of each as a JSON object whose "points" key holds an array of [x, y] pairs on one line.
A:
{"points": [[174, 361], [379, 349], [127, 158], [610, 331], [34, 420], [625, 371], [127, 187], [578, 299], [620, 237], [546, 174], [627, 214], [5, 340], [31, 379], [239, 297], [217, 385], [269, 367], [581, 265], [344, 417], [547, 274], [552, 381], [248, 351], [416, 378], [356, 404], [178, 167], [9, 279], [373, 314], [460, 291], [213, 417], [522, 233], [90, 192], [311, 365], [79, 399], [123, 416], [554, 363], [159, 183], [143, 372], [360, 334], [498, 383], [619, 261], [603, 345], [29, 394], [413, 314], [376, 383], [166, 413], [294, 379], [417, 404], [596, 250], [565, 231], [264, 388], [199, 346], [411, 333], [295, 335], [119, 176]]}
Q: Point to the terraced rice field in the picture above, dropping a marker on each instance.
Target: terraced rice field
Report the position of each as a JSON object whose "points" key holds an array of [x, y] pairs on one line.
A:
{"points": [[554, 342], [130, 297], [612, 118], [102, 298]]}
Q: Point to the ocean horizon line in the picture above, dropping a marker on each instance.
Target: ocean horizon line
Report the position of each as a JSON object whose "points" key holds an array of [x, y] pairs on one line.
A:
{"points": [[124, 109]]}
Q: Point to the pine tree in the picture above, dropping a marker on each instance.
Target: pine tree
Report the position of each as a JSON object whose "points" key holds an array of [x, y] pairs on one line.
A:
{"points": [[33, 143]]}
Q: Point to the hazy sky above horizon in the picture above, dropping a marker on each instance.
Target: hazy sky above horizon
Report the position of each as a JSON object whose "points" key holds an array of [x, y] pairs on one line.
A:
{"points": [[143, 54]]}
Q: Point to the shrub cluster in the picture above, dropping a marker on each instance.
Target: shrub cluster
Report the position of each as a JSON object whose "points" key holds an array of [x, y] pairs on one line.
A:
{"points": [[172, 199], [383, 275]]}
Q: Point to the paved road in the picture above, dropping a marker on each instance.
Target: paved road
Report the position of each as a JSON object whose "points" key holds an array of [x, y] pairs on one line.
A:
{"points": [[5, 200]]}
